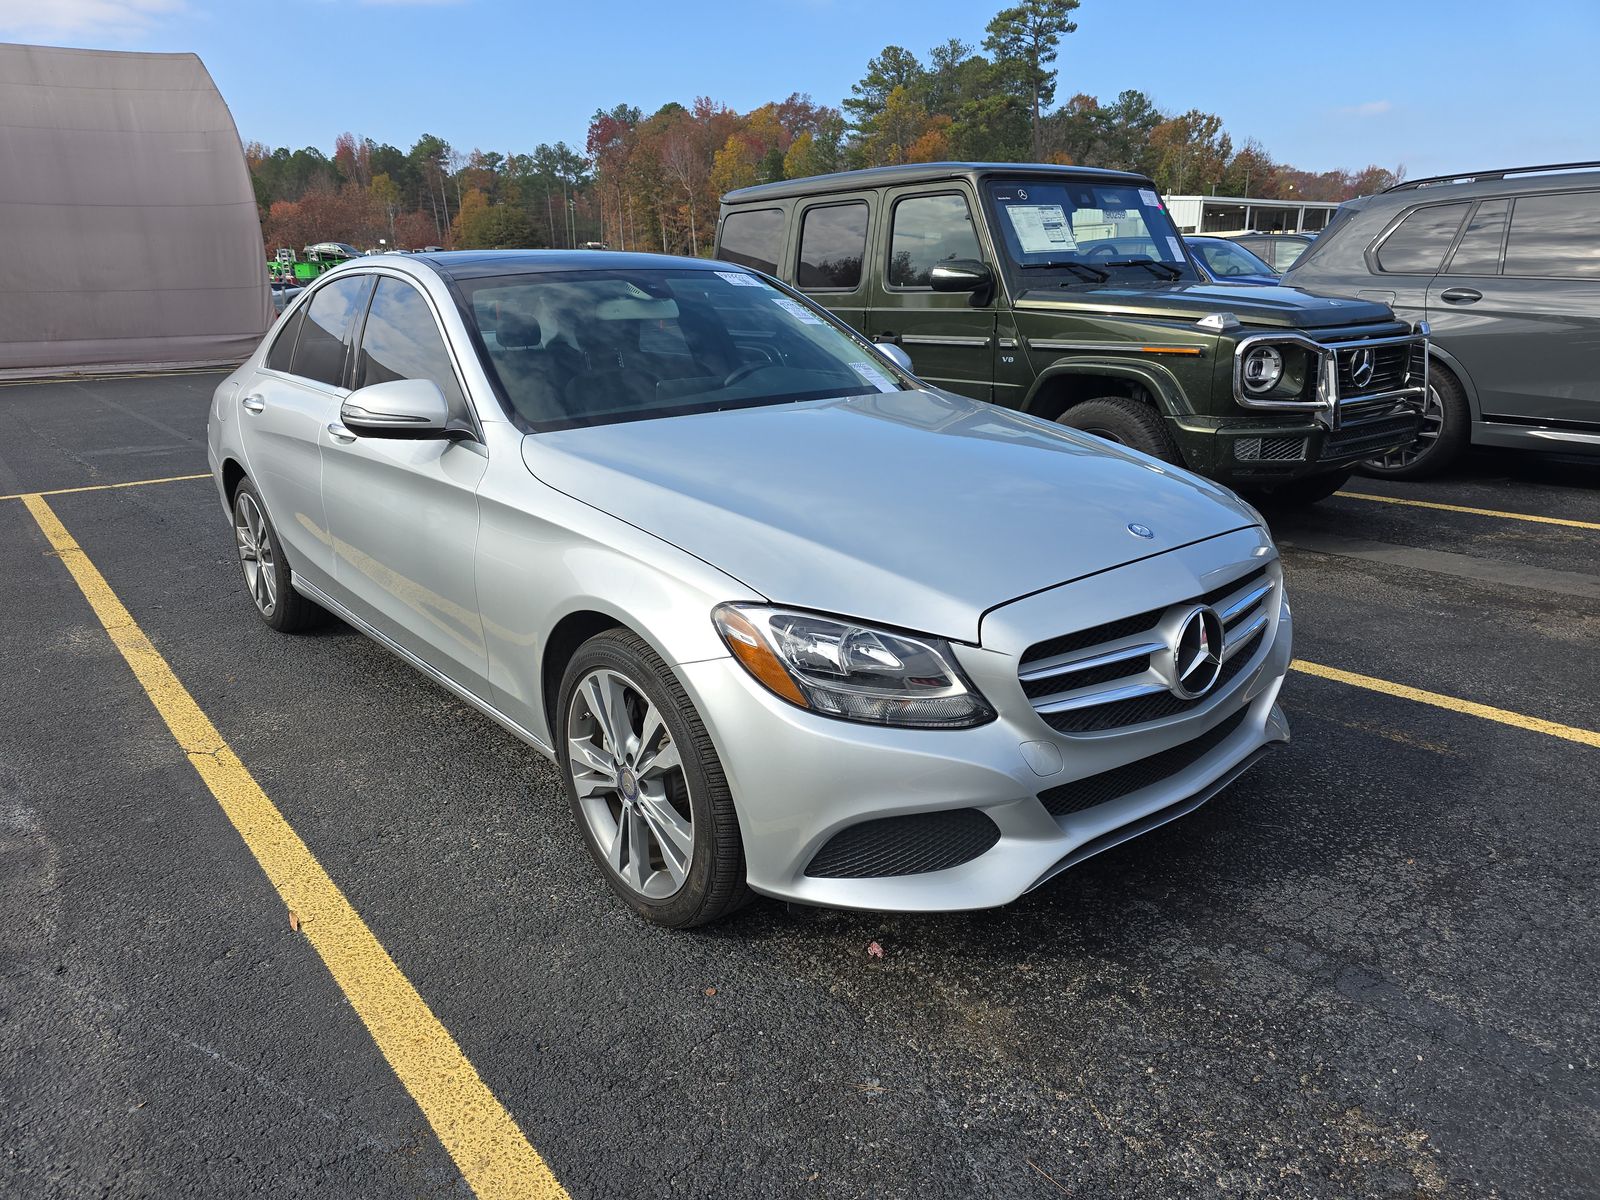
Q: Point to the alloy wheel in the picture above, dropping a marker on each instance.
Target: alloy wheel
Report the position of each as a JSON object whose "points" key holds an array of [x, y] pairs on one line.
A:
{"points": [[1427, 436], [256, 553], [630, 784]]}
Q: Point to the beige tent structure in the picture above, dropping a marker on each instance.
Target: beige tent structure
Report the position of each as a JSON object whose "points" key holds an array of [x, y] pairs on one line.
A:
{"points": [[129, 235]]}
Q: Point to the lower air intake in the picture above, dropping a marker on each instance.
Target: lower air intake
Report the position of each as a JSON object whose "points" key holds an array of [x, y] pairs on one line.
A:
{"points": [[909, 845]]}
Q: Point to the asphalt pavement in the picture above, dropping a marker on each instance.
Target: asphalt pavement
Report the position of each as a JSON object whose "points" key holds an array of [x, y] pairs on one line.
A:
{"points": [[1367, 969]]}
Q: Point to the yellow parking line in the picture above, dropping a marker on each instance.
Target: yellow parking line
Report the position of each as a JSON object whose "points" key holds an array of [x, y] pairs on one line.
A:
{"points": [[1475, 512], [1585, 737], [106, 487], [491, 1151]]}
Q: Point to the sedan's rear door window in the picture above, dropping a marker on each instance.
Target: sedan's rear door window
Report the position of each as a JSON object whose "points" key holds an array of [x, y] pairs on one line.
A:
{"points": [[1555, 236], [1418, 244], [319, 353]]}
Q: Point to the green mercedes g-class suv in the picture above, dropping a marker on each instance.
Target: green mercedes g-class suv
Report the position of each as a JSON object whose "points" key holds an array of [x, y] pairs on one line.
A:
{"points": [[1066, 292]]}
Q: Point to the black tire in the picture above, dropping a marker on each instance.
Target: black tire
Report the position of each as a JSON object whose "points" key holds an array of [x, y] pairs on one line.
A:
{"points": [[1130, 423], [714, 885], [1306, 490], [1447, 406], [270, 584]]}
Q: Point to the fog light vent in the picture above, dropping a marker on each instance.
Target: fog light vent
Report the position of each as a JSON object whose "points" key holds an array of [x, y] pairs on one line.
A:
{"points": [[1272, 449], [908, 845]]}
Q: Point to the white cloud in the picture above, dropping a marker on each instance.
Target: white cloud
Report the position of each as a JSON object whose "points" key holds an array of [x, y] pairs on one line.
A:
{"points": [[91, 19], [1372, 108]]}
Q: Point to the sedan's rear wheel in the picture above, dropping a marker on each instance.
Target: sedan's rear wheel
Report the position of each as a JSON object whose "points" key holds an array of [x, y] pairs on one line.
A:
{"points": [[646, 786], [266, 572]]}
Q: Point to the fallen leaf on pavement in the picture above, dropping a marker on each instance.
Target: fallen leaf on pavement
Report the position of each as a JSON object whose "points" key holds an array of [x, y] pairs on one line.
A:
{"points": [[294, 920], [711, 991], [874, 950]]}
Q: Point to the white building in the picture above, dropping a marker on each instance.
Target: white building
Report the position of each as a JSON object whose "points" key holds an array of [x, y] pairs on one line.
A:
{"points": [[1236, 214]]}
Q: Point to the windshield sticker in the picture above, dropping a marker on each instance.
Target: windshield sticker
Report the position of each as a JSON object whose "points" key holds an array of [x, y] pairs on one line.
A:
{"points": [[1148, 198], [740, 279], [874, 376], [1177, 250], [797, 310], [1040, 228]]}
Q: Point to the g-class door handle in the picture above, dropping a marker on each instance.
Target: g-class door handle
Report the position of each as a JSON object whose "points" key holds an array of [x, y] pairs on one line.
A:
{"points": [[887, 338], [253, 404], [1460, 295]]}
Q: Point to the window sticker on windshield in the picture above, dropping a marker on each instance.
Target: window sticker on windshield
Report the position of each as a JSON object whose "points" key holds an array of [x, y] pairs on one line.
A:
{"points": [[1148, 198], [874, 376], [797, 310], [1177, 250], [1040, 228], [740, 279]]}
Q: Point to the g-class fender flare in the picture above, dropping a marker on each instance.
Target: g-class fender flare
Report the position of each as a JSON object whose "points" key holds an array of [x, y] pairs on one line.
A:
{"points": [[1154, 378]]}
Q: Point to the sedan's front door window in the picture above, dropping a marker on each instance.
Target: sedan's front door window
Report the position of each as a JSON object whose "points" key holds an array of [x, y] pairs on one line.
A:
{"points": [[402, 341], [320, 352]]}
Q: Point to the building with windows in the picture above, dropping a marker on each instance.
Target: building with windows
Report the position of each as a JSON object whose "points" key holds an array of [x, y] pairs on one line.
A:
{"points": [[1236, 214]]}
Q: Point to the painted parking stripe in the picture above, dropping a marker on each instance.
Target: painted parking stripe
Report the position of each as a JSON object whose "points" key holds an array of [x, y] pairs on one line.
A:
{"points": [[1584, 737], [491, 1152], [106, 487], [1475, 512]]}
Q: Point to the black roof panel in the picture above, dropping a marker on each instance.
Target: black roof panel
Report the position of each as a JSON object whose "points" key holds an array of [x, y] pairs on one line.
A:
{"points": [[841, 181]]}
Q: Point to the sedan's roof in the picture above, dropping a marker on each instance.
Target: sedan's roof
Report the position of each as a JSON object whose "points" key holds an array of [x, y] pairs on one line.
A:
{"points": [[479, 264]]}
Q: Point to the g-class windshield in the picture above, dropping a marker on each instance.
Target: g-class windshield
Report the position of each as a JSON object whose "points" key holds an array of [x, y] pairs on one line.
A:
{"points": [[1089, 230]]}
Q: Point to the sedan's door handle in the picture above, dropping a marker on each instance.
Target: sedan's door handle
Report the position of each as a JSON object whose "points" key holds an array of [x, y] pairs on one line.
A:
{"points": [[253, 404], [340, 434], [1460, 295]]}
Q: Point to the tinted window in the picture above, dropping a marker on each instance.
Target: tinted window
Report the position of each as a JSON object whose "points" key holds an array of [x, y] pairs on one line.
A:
{"points": [[402, 341], [1555, 235], [594, 347], [1478, 252], [833, 241], [282, 352], [319, 354], [1224, 259], [1417, 245], [929, 230], [753, 239], [1286, 252]]}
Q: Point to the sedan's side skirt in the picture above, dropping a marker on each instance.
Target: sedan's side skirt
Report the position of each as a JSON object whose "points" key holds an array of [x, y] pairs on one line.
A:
{"points": [[312, 592]]}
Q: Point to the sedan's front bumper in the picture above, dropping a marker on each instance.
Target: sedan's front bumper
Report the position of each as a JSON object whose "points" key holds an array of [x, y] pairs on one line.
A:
{"points": [[799, 780]]}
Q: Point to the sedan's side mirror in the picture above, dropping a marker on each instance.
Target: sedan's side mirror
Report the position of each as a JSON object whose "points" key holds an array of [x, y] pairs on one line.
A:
{"points": [[964, 275], [895, 355], [401, 408]]}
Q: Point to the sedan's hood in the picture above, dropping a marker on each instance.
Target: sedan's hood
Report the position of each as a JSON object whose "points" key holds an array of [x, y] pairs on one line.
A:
{"points": [[1288, 307], [918, 509]]}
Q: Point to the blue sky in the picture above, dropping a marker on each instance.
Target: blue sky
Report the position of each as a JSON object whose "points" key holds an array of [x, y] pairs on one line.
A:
{"points": [[1439, 86]]}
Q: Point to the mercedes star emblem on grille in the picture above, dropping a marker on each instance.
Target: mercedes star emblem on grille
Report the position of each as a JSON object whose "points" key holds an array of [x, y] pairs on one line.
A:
{"points": [[1197, 654], [1363, 363]]}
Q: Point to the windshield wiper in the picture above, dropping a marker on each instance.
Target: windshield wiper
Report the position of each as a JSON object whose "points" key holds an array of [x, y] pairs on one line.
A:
{"points": [[1164, 270], [1082, 270]]}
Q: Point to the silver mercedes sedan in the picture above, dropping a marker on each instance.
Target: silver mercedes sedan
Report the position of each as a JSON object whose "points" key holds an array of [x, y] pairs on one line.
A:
{"points": [[790, 621]]}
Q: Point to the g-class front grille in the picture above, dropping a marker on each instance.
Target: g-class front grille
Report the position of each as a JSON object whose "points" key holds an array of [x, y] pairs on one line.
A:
{"points": [[1107, 677], [1390, 370]]}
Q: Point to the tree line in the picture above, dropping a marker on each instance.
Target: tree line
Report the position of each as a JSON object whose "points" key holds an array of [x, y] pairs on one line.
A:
{"points": [[653, 182]]}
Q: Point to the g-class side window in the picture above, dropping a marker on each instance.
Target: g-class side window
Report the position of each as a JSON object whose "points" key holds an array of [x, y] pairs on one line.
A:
{"points": [[1418, 243], [833, 241], [753, 239], [927, 230]]}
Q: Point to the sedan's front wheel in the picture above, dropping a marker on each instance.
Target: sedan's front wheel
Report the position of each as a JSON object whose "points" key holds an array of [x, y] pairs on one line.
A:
{"points": [[646, 786]]}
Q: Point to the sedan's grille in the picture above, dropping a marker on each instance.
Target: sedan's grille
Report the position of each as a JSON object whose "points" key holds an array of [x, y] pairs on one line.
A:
{"points": [[1371, 436], [1105, 677], [1391, 368], [907, 845], [1118, 782]]}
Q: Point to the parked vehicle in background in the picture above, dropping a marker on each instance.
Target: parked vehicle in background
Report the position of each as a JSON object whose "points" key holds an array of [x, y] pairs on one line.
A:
{"points": [[1280, 251], [1505, 266], [612, 501], [1222, 261], [282, 294], [1065, 292]]}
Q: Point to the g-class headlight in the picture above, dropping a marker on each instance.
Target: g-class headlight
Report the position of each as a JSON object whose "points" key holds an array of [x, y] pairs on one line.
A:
{"points": [[1263, 367], [855, 672]]}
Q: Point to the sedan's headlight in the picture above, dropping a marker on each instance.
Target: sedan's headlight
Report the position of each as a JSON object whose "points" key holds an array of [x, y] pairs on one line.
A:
{"points": [[855, 672], [1263, 367]]}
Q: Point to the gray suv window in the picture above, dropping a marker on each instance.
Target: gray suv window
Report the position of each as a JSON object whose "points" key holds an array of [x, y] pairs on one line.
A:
{"points": [[1417, 245], [319, 354], [833, 241], [1478, 252], [402, 341], [929, 230], [1555, 235], [753, 239]]}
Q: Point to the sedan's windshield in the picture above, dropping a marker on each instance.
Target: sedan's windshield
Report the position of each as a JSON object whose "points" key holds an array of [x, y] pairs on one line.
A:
{"points": [[593, 347], [1113, 229]]}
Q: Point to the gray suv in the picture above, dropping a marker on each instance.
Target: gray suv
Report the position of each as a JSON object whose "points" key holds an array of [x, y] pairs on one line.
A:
{"points": [[1505, 268]]}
